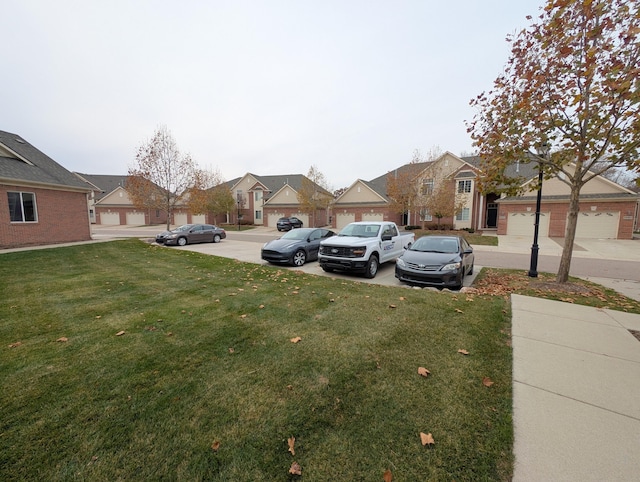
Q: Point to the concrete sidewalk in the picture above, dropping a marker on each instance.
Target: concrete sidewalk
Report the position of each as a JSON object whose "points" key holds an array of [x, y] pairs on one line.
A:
{"points": [[576, 392]]}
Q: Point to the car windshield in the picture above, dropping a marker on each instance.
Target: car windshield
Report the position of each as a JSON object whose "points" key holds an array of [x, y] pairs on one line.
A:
{"points": [[296, 234], [360, 230], [435, 245], [186, 227]]}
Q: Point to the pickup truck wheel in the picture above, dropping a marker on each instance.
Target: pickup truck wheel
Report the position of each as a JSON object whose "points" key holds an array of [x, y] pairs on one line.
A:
{"points": [[372, 267], [299, 258]]}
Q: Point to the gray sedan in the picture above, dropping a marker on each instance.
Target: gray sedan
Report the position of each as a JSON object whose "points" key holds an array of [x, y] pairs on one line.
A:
{"points": [[192, 233], [440, 261], [296, 247]]}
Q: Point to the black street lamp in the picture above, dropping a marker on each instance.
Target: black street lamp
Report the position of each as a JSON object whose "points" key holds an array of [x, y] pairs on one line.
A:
{"points": [[543, 152]]}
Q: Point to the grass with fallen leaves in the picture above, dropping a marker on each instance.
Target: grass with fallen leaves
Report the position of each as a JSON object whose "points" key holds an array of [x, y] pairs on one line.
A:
{"points": [[504, 282], [130, 361]]}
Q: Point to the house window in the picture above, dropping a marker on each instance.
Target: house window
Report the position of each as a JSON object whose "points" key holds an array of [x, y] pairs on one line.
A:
{"points": [[427, 187], [258, 215], [424, 214], [257, 196], [22, 207], [463, 215], [464, 186]]}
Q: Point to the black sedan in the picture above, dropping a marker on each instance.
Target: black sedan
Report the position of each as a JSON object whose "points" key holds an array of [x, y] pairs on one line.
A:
{"points": [[285, 224], [192, 233], [295, 247], [440, 261]]}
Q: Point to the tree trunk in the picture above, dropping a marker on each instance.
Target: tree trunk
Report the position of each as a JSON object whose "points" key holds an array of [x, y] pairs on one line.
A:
{"points": [[570, 234]]}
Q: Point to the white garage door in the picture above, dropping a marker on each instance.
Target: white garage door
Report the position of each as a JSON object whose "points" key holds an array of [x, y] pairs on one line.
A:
{"points": [[272, 219], [304, 218], [198, 218], [594, 225], [110, 218], [521, 224], [135, 219], [342, 219], [373, 217], [179, 219]]}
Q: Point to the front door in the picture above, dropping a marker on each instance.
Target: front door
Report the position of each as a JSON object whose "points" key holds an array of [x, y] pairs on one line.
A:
{"points": [[492, 215]]}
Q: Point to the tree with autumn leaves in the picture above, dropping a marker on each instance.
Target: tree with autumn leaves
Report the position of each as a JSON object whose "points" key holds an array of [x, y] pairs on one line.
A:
{"points": [[314, 194], [164, 178], [572, 81]]}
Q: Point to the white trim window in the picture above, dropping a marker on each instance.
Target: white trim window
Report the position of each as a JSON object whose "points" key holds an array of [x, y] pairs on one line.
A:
{"points": [[464, 186], [424, 214], [22, 207], [463, 215]]}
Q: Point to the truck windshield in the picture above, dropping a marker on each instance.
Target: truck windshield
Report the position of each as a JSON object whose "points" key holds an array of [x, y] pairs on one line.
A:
{"points": [[360, 230]]}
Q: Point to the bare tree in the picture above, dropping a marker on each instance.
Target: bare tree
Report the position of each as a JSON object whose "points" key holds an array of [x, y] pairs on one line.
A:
{"points": [[162, 175]]}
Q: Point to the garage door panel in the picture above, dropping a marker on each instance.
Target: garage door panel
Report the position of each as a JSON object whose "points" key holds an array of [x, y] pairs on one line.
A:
{"points": [[342, 219], [179, 219], [304, 218], [522, 224], [373, 217], [198, 218], [110, 219], [135, 219], [598, 225], [272, 219]]}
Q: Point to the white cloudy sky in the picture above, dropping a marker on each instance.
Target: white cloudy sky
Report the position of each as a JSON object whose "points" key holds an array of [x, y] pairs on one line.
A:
{"points": [[262, 86]]}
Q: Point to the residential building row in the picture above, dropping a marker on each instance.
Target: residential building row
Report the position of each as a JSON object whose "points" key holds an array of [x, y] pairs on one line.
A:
{"points": [[41, 202]]}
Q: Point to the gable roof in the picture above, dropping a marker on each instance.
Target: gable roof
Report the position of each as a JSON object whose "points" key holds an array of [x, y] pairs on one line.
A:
{"points": [[273, 184], [104, 183], [20, 162]]}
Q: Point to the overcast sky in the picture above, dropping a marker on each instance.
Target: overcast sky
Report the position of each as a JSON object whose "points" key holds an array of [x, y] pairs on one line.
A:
{"points": [[261, 86]]}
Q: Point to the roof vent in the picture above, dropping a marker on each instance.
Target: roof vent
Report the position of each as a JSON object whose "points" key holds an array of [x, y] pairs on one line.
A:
{"points": [[17, 139]]}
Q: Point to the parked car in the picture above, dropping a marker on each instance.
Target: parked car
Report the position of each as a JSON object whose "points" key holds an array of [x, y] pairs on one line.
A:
{"points": [[192, 233], [285, 224], [441, 261], [295, 247]]}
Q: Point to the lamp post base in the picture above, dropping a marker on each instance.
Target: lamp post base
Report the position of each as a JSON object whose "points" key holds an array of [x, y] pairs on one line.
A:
{"points": [[533, 268]]}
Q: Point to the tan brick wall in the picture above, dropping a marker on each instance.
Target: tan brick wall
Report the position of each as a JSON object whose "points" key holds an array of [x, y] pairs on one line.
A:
{"points": [[62, 217]]}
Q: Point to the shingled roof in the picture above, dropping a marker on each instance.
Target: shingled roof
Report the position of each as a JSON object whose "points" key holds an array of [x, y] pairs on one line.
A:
{"points": [[21, 163], [104, 183]]}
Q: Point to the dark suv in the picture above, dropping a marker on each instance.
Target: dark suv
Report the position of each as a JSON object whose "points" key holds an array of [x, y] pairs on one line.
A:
{"points": [[285, 224]]}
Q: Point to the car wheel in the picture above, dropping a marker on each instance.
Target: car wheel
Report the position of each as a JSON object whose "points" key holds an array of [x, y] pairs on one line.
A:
{"points": [[470, 270], [182, 241], [216, 238], [299, 258], [372, 267]]}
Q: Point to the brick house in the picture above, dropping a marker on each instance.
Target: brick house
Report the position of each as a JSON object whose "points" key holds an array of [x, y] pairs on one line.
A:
{"points": [[607, 210], [40, 201], [261, 200], [370, 201], [110, 204]]}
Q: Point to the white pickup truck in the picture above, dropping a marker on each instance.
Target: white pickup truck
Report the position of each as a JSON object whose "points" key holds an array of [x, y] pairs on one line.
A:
{"points": [[362, 246]]}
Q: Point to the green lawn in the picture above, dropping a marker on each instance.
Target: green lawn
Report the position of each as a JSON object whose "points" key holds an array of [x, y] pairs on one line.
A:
{"points": [[206, 362]]}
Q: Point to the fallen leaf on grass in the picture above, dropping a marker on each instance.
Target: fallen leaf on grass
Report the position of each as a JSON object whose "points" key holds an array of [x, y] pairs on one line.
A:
{"points": [[402, 298], [243, 316], [231, 350], [487, 382], [388, 476], [426, 439], [296, 339], [422, 371], [120, 333], [215, 446], [464, 352], [261, 306], [13, 345], [62, 339], [295, 469], [459, 310], [291, 441], [392, 306]]}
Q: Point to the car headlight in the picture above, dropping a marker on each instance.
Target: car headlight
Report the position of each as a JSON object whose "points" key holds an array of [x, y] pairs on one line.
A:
{"points": [[451, 267], [400, 262]]}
